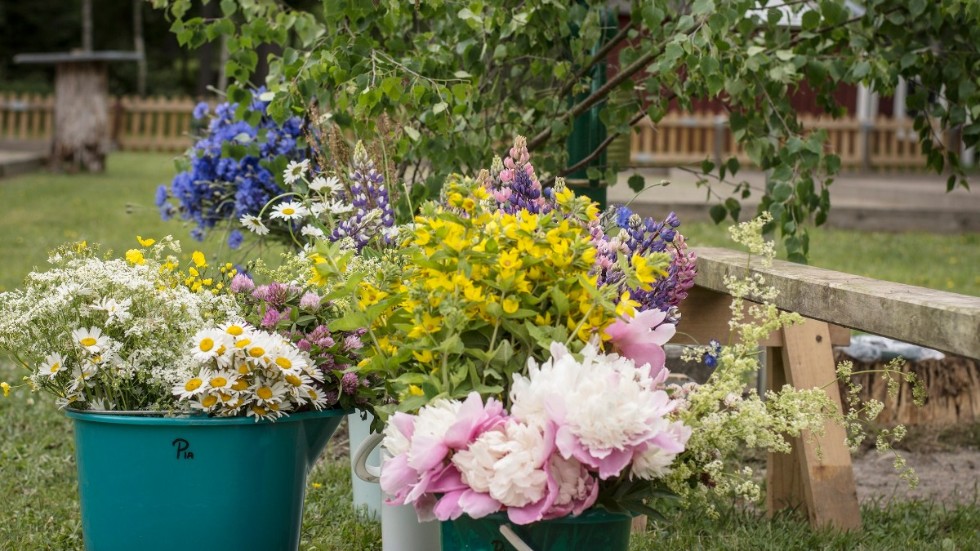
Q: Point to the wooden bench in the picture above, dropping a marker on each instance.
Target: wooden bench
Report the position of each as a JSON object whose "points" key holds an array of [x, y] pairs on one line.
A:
{"points": [[823, 484]]}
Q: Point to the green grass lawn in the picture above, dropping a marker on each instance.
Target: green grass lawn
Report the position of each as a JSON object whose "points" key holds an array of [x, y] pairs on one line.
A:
{"points": [[42, 211], [37, 468]]}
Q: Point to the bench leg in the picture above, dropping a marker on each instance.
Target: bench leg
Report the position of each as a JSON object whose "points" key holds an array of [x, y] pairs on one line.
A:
{"points": [[818, 475]]}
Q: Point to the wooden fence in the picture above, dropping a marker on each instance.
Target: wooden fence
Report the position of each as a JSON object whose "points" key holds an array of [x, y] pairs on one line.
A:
{"points": [[818, 476], [689, 138], [164, 124], [135, 124]]}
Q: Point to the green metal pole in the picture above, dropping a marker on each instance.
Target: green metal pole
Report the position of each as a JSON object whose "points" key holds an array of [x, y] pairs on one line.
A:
{"points": [[588, 131]]}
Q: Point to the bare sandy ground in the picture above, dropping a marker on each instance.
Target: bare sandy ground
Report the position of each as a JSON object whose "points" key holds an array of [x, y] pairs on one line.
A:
{"points": [[950, 477]]}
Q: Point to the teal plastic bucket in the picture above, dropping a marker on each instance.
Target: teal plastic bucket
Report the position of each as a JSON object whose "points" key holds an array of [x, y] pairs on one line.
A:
{"points": [[158, 483], [593, 530]]}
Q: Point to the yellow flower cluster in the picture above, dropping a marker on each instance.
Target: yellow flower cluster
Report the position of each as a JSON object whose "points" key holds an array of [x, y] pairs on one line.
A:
{"points": [[198, 277], [483, 290]]}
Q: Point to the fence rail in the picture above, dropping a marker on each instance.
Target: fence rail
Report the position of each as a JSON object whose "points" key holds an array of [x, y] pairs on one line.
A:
{"points": [[688, 138], [135, 124], [164, 124]]}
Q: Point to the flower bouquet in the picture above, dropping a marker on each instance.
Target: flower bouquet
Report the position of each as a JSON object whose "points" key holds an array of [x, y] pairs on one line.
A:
{"points": [[503, 299], [182, 376]]}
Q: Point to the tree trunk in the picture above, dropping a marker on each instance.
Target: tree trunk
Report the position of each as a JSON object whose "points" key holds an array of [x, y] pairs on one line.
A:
{"points": [[81, 117], [87, 25], [139, 47]]}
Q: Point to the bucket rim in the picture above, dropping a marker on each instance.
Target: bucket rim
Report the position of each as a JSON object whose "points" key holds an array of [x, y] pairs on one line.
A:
{"points": [[162, 418]]}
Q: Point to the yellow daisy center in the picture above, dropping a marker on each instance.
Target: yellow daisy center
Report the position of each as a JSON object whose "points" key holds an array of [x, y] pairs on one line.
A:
{"points": [[235, 330], [293, 380], [264, 392], [87, 341], [55, 367], [218, 382], [209, 401], [206, 344], [289, 211], [239, 385], [284, 362], [193, 384], [256, 352]]}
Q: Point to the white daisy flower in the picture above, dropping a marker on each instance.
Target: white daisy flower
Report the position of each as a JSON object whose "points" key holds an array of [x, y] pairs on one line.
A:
{"points": [[205, 402], [254, 224], [235, 328], [83, 376], [316, 397], [91, 339], [289, 210], [310, 230], [52, 365], [331, 184], [117, 311], [221, 380], [268, 393], [295, 170], [258, 348], [338, 207], [260, 412], [191, 387], [210, 344]]}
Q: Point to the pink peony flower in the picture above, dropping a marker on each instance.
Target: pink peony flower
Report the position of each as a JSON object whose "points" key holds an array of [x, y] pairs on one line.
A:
{"points": [[641, 338], [604, 408]]}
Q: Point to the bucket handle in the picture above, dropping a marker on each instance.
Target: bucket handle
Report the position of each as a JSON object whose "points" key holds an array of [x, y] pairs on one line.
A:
{"points": [[513, 539], [367, 473]]}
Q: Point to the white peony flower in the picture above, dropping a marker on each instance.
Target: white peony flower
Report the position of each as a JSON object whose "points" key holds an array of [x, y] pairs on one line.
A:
{"points": [[507, 464]]}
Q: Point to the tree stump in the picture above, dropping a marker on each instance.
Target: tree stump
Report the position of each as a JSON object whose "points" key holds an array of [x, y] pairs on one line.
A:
{"points": [[81, 117], [81, 106]]}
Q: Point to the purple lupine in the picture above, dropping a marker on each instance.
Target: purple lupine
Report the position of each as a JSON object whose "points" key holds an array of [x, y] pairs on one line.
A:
{"points": [[368, 195], [513, 184]]}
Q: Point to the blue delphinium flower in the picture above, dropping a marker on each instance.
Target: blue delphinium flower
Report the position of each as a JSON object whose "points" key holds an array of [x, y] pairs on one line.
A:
{"points": [[200, 110], [710, 358], [228, 176], [235, 239]]}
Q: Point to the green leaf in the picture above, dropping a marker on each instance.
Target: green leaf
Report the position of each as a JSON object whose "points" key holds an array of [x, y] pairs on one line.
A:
{"points": [[637, 182], [860, 69], [733, 207], [412, 133], [707, 166], [782, 191], [810, 20], [718, 213]]}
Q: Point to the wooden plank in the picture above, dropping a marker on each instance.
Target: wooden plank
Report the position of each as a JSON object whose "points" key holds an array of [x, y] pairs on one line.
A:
{"points": [[828, 477], [784, 471], [937, 319], [705, 314]]}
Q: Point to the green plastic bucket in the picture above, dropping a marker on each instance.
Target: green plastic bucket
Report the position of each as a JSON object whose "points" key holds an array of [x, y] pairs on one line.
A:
{"points": [[158, 483], [595, 529]]}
